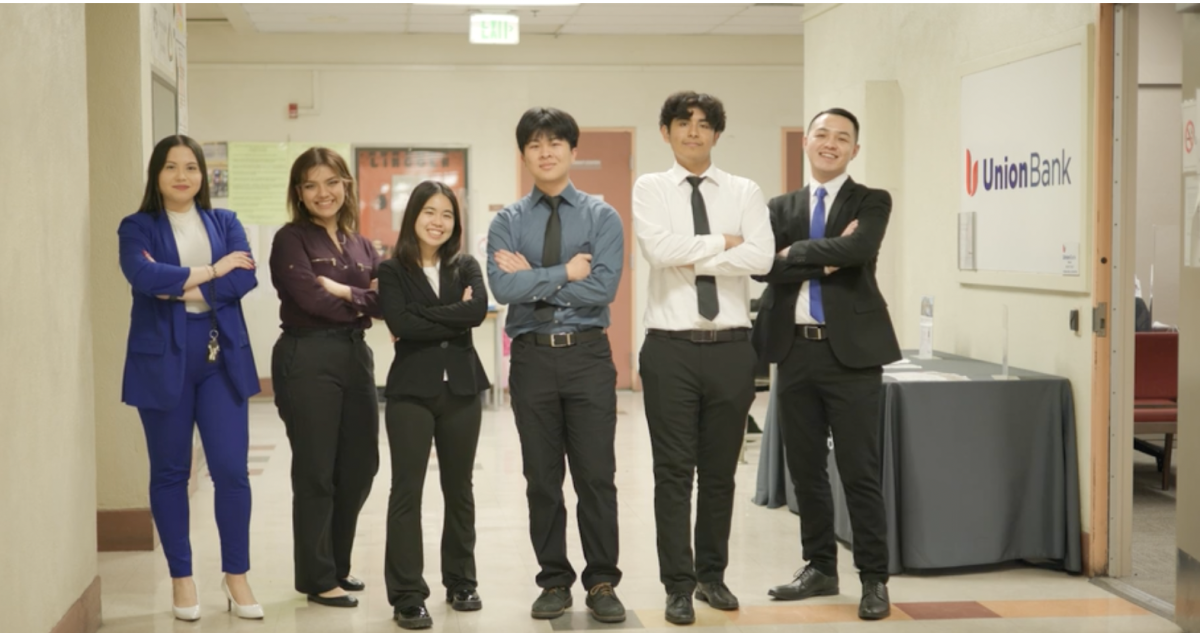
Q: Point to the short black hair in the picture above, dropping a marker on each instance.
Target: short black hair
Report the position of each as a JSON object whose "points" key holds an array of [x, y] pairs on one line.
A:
{"points": [[549, 122], [680, 104], [842, 112], [152, 200]]}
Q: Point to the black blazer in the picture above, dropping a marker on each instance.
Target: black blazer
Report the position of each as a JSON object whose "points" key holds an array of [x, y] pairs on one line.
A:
{"points": [[433, 333], [856, 316]]}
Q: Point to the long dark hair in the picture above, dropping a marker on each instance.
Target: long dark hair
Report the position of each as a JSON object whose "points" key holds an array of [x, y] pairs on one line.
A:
{"points": [[347, 216], [408, 247], [152, 200]]}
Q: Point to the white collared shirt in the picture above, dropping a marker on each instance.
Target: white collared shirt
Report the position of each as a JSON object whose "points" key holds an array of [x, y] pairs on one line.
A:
{"points": [[803, 311], [191, 240], [434, 275], [662, 221]]}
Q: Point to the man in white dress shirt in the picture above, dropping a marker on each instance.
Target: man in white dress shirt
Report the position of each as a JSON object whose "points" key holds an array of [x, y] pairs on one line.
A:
{"points": [[703, 231]]}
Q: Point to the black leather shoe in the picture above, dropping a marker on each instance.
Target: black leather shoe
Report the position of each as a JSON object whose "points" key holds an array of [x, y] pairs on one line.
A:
{"points": [[350, 583], [413, 617], [604, 605], [717, 595], [875, 604], [679, 608], [808, 583], [552, 603], [336, 601], [465, 599]]}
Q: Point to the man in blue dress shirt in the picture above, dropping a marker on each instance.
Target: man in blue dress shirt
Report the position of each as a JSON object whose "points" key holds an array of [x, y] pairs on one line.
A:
{"points": [[555, 257]]}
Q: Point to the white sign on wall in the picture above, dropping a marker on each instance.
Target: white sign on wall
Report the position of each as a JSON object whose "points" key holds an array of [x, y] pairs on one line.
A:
{"points": [[1024, 164]]}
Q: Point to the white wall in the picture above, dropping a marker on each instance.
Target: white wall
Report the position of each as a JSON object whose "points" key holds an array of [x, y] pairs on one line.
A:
{"points": [[47, 456], [414, 90], [851, 48]]}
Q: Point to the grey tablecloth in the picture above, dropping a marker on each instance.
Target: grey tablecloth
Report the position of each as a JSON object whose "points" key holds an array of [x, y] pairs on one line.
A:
{"points": [[974, 472]]}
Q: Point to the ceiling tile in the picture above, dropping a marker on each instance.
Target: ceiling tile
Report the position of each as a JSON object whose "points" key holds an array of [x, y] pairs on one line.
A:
{"points": [[647, 8], [797, 29]]}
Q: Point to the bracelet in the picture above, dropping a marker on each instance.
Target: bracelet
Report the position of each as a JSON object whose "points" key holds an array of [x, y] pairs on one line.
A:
{"points": [[213, 271]]}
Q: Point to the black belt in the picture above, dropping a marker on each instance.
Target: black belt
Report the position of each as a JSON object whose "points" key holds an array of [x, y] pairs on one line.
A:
{"points": [[812, 332], [704, 336], [562, 339], [325, 332]]}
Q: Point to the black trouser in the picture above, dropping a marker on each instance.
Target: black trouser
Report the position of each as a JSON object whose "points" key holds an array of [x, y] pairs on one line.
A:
{"points": [[565, 402], [697, 397], [816, 395], [412, 425], [325, 391]]}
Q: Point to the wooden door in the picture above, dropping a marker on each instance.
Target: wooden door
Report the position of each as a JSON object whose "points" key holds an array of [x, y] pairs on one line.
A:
{"points": [[604, 167]]}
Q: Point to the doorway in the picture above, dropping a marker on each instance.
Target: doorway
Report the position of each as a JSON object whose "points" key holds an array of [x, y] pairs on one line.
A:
{"points": [[604, 168]]}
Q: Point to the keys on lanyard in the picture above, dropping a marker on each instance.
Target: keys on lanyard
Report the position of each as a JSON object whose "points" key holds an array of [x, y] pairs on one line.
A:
{"points": [[214, 347]]}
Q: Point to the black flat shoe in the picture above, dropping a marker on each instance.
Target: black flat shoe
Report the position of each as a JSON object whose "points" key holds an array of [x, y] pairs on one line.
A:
{"points": [[464, 600], [335, 601], [413, 617], [717, 595], [350, 583]]}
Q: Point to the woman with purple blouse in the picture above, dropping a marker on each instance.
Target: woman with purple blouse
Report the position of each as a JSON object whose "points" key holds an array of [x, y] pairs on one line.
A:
{"points": [[323, 371]]}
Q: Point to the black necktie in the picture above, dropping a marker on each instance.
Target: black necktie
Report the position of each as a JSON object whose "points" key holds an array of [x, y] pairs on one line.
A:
{"points": [[551, 254], [706, 285]]}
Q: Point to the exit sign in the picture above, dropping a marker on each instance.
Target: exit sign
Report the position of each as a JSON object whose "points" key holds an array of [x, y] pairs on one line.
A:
{"points": [[495, 29]]}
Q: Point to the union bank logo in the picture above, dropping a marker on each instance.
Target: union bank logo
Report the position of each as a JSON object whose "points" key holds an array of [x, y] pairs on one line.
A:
{"points": [[1034, 173]]}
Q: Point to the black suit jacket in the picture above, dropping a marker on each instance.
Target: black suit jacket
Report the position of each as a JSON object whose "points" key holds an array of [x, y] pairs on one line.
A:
{"points": [[433, 333], [856, 316]]}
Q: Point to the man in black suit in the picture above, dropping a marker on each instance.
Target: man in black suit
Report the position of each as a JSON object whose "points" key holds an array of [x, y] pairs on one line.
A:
{"points": [[824, 321]]}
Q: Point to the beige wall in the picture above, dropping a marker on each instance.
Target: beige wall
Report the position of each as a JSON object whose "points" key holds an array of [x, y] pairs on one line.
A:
{"points": [[441, 90], [1159, 157], [117, 96], [1187, 607], [921, 49], [47, 456]]}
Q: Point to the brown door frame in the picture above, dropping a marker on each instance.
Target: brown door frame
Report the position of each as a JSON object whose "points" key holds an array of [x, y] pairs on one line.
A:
{"points": [[630, 253], [783, 158]]}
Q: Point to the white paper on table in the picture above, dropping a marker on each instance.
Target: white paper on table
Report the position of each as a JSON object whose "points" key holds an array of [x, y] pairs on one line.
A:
{"points": [[928, 376]]}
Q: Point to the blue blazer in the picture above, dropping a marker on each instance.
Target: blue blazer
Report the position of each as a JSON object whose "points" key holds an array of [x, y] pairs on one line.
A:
{"points": [[156, 353]]}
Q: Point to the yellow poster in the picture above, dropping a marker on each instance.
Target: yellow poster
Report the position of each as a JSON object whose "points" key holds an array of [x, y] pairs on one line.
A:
{"points": [[258, 178]]}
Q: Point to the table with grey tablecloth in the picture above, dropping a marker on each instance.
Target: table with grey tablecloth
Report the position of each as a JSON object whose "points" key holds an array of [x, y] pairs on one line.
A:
{"points": [[975, 472]]}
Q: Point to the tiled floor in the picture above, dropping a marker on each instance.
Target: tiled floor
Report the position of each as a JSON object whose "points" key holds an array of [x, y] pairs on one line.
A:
{"points": [[764, 551]]}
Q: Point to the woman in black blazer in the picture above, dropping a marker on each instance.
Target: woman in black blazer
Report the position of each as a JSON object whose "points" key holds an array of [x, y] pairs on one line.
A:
{"points": [[432, 296]]}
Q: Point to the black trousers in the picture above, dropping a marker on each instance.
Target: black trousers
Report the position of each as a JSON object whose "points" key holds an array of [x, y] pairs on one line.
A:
{"points": [[412, 425], [817, 395], [325, 392], [697, 397], [565, 403]]}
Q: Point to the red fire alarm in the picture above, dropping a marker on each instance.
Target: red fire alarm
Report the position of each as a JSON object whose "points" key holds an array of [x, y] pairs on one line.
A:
{"points": [[293, 111]]}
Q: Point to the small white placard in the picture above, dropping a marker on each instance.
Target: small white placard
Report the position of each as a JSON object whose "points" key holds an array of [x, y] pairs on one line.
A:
{"points": [[966, 240], [1070, 259], [925, 351]]}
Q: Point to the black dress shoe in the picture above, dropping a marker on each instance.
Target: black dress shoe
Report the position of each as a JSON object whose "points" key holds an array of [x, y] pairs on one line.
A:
{"points": [[415, 617], [808, 583], [335, 601], [875, 604], [717, 595], [679, 608], [465, 599], [552, 603], [350, 583], [604, 605]]}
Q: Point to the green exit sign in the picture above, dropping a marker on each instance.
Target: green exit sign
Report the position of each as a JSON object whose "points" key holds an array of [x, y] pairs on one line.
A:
{"points": [[495, 29]]}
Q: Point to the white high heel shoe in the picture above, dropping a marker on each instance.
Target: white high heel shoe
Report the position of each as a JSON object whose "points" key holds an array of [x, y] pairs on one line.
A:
{"points": [[246, 612], [187, 614]]}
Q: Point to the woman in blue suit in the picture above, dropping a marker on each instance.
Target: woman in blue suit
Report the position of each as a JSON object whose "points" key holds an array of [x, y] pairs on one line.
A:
{"points": [[188, 362]]}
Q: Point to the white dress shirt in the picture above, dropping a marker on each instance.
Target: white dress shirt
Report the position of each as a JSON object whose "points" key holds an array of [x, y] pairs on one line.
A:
{"points": [[803, 311], [662, 220], [191, 240], [434, 274]]}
